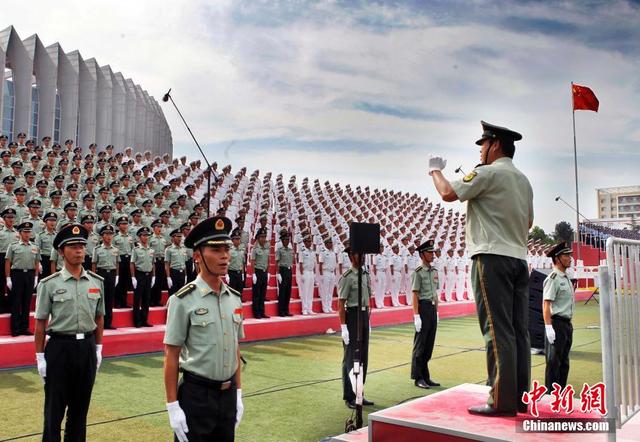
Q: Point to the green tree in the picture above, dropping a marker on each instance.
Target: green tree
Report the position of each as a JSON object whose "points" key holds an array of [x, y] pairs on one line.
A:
{"points": [[537, 233], [563, 232]]}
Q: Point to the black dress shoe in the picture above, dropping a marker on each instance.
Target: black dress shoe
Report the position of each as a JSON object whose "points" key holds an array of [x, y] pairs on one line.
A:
{"points": [[26, 333], [421, 384], [431, 383], [265, 317], [489, 411], [351, 404], [366, 402], [522, 408], [146, 324], [110, 327], [137, 325], [14, 334]]}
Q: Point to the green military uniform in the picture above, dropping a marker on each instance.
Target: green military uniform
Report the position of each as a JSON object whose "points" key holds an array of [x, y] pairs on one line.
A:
{"points": [[158, 243], [424, 282], [57, 258], [558, 289], [499, 212], [284, 258], [259, 290], [236, 268], [348, 290], [106, 260], [44, 241], [176, 258], [23, 257], [124, 244], [142, 260]]}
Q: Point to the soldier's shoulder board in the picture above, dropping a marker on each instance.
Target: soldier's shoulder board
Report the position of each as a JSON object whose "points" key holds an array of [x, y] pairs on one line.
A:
{"points": [[51, 276], [184, 291], [418, 268], [345, 274], [95, 275], [553, 275]]}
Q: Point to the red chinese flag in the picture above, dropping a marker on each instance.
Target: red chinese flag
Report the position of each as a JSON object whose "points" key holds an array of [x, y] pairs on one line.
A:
{"points": [[584, 99]]}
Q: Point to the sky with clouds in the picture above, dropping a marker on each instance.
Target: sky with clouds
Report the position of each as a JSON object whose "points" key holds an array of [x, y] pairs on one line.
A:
{"points": [[362, 92]]}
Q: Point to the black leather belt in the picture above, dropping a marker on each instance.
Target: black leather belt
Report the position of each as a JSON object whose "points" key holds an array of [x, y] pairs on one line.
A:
{"points": [[209, 383], [355, 308], [561, 318], [74, 337]]}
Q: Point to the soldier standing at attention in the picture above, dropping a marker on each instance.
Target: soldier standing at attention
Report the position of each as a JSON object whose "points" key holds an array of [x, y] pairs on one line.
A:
{"points": [[175, 258], [92, 241], [499, 216], [44, 241], [558, 304], [348, 313], [207, 404], [124, 243], [236, 262], [424, 287], [22, 263], [159, 244], [70, 308], [105, 262], [8, 235], [260, 265], [143, 271], [284, 263], [327, 262]]}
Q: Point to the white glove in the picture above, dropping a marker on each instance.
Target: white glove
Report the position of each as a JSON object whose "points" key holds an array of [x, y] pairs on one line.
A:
{"points": [[345, 334], [134, 282], [551, 333], [117, 279], [42, 366], [436, 163], [35, 282], [279, 278], [417, 322], [98, 356], [9, 283], [239, 408], [178, 421], [437, 318], [254, 278], [153, 280], [169, 282]]}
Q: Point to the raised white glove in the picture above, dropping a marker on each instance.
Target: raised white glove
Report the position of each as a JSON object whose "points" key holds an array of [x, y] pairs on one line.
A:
{"points": [[417, 322], [134, 282], [279, 278], [254, 278], [436, 163], [153, 280], [117, 279], [178, 421], [9, 283], [42, 366], [239, 407], [345, 334], [35, 282], [169, 282], [551, 333], [98, 356]]}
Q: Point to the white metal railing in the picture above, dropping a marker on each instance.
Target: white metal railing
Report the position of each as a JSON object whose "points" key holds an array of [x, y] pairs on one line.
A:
{"points": [[620, 328]]}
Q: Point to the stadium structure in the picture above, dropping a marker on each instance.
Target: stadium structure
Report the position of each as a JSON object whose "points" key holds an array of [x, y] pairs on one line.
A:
{"points": [[48, 91]]}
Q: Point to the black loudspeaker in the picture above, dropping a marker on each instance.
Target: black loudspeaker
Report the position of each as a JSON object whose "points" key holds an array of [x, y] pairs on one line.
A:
{"points": [[536, 321], [364, 237]]}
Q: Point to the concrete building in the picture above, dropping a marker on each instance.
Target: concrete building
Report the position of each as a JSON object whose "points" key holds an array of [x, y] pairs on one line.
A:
{"points": [[47, 91], [619, 203]]}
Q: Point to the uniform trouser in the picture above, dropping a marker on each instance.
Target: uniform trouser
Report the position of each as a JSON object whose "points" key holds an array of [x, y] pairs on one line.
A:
{"points": [[284, 291], [141, 296], [381, 285], [45, 260], [71, 372], [161, 282], [441, 278], [178, 278], [5, 304], [306, 290], [109, 293], [20, 296], [395, 288], [86, 264], [259, 292], [460, 289], [191, 274], [326, 286], [124, 281], [235, 280], [449, 286], [557, 354], [470, 295], [406, 281], [423, 341], [210, 412], [348, 393], [501, 287]]}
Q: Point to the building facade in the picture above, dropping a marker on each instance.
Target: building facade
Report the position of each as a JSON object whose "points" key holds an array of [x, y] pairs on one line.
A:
{"points": [[47, 91], [619, 203]]}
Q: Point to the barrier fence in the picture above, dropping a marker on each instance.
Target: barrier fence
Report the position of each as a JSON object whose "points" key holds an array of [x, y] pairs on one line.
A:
{"points": [[620, 328]]}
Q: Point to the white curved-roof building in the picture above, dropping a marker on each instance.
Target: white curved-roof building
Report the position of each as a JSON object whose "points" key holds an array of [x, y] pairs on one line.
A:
{"points": [[47, 91]]}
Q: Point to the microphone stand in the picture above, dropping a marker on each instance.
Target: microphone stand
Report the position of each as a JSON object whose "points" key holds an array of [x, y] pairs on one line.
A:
{"points": [[168, 97], [357, 368]]}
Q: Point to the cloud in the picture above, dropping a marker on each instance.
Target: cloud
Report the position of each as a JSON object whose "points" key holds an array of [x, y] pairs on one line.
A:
{"points": [[364, 91]]}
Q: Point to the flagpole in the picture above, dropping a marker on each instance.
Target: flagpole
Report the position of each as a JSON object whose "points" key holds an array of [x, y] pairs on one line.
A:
{"points": [[575, 166]]}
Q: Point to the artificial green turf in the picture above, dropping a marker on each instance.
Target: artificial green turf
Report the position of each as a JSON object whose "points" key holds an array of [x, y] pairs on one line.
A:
{"points": [[292, 390]]}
